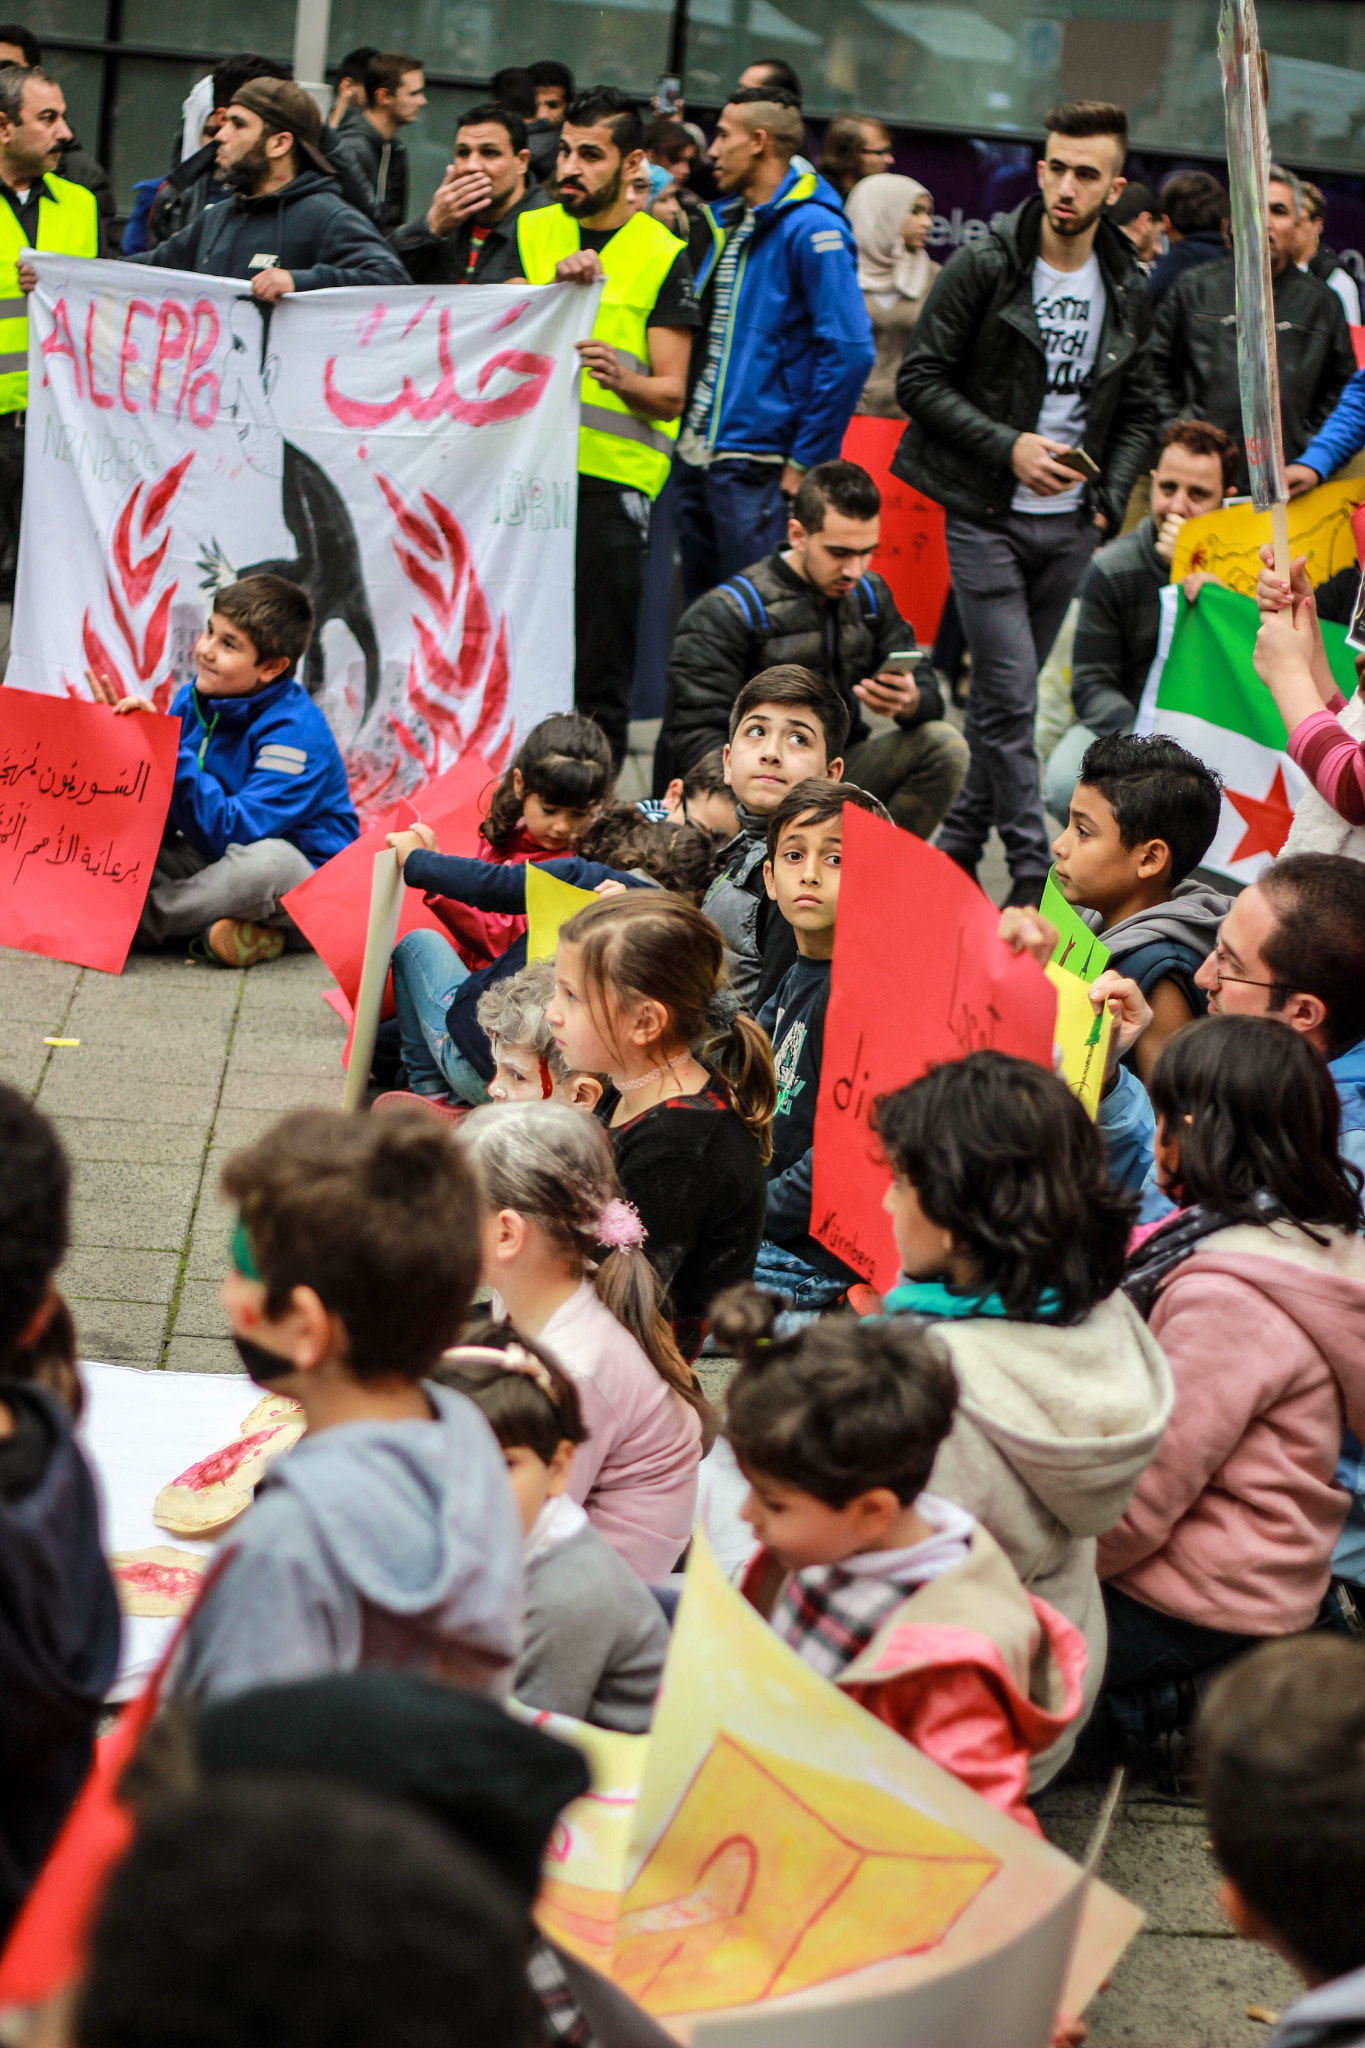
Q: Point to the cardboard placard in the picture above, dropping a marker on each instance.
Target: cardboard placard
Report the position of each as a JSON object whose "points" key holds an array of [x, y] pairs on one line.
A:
{"points": [[83, 803], [1079, 950], [919, 976], [1082, 1037], [549, 904]]}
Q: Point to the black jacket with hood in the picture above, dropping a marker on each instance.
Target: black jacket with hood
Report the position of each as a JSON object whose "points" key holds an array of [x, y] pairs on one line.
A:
{"points": [[379, 165], [191, 186], [306, 228], [974, 375]]}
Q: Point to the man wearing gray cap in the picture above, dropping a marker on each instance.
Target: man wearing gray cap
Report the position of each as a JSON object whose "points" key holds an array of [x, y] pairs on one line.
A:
{"points": [[286, 227]]}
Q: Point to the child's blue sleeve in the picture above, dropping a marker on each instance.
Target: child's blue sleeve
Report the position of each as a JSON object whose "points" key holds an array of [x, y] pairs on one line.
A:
{"points": [[1127, 1124], [789, 1192], [269, 804], [501, 885]]}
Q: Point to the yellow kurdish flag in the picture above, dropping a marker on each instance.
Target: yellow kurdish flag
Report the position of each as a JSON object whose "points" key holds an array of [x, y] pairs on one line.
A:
{"points": [[1082, 1037], [549, 904]]}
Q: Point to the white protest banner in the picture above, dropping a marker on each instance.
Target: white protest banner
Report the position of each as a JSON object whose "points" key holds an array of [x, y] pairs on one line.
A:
{"points": [[408, 456]]}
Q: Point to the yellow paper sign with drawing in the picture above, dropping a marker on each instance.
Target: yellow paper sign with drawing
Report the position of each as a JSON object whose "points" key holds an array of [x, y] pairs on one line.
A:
{"points": [[1082, 1037], [770, 1835], [1226, 544], [549, 904]]}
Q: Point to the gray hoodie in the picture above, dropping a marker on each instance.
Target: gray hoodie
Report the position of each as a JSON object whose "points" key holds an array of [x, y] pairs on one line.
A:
{"points": [[1332, 2016], [1055, 1425], [374, 1543], [1189, 919]]}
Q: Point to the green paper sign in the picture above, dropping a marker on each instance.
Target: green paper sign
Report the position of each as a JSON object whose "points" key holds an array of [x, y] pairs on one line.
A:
{"points": [[1078, 949]]}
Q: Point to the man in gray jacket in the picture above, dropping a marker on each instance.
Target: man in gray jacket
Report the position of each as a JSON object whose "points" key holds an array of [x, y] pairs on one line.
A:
{"points": [[367, 137]]}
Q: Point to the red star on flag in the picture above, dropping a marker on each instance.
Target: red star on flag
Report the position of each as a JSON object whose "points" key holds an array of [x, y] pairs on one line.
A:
{"points": [[1267, 818]]}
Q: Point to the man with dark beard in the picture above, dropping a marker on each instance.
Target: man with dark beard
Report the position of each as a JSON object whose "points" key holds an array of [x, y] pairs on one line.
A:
{"points": [[634, 380], [286, 227]]}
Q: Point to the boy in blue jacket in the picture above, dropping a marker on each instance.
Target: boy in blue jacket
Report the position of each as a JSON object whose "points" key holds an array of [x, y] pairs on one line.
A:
{"points": [[260, 796]]}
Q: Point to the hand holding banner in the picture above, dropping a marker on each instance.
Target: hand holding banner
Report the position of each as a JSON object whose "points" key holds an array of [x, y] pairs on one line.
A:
{"points": [[83, 803], [920, 975]]}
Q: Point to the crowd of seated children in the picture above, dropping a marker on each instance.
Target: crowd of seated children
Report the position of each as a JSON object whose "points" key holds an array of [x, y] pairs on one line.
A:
{"points": [[260, 795], [700, 797], [1143, 815], [640, 996], [596, 1637], [566, 1258], [901, 1597], [1255, 1289], [786, 724]]}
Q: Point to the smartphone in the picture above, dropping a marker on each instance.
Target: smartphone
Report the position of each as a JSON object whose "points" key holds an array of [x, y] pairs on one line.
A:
{"points": [[902, 661], [667, 94], [1083, 464]]}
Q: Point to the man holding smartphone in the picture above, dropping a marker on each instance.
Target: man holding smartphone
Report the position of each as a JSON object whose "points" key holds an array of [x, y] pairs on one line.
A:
{"points": [[469, 235], [1028, 387]]}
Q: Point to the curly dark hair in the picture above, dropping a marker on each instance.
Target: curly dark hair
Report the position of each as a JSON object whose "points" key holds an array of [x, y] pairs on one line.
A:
{"points": [[35, 1194], [840, 1407], [684, 858], [1254, 1111], [1001, 1154], [564, 760]]}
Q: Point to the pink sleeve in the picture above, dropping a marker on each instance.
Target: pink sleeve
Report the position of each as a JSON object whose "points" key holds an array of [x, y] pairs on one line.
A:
{"points": [[603, 1430], [1333, 763], [954, 1715]]}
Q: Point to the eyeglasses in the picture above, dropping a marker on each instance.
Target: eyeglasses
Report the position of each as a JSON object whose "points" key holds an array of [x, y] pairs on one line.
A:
{"points": [[1244, 980]]}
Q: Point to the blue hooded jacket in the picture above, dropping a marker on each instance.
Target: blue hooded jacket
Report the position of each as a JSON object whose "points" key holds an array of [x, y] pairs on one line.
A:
{"points": [[260, 767], [799, 343], [1342, 433]]}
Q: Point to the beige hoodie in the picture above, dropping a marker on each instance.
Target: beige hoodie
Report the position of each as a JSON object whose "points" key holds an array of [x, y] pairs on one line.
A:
{"points": [[1054, 1428]]}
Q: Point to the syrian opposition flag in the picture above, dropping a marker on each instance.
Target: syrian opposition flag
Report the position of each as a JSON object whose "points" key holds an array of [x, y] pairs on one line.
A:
{"points": [[1204, 692]]}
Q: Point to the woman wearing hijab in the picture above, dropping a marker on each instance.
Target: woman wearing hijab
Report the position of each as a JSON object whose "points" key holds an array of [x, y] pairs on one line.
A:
{"points": [[891, 217]]}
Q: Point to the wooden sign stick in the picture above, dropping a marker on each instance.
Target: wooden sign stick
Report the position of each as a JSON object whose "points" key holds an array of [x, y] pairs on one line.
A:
{"points": [[386, 896]]}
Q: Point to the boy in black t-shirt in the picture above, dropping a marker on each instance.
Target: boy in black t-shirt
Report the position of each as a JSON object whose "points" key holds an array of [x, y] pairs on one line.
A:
{"points": [[801, 874]]}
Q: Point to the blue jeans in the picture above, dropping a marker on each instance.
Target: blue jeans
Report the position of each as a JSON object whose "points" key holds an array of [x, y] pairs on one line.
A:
{"points": [[426, 973], [729, 517], [804, 1286]]}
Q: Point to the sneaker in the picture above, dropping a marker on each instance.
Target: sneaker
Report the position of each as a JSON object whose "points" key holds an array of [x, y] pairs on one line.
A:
{"points": [[232, 942], [400, 1098]]}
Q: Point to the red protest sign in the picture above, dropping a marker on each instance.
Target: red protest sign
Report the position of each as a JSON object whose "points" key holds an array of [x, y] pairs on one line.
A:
{"points": [[919, 977], [83, 803], [332, 908]]}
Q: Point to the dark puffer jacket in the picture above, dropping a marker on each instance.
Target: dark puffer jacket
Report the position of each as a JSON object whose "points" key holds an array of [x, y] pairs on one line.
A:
{"points": [[974, 375], [1194, 353], [766, 615], [380, 166]]}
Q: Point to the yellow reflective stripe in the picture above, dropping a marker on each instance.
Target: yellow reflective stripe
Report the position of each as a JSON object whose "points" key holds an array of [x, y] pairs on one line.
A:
{"points": [[628, 426]]}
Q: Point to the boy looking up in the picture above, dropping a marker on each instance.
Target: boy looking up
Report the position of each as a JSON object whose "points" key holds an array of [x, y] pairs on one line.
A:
{"points": [[786, 725], [260, 796], [1143, 816], [801, 876], [389, 1536], [1281, 1747]]}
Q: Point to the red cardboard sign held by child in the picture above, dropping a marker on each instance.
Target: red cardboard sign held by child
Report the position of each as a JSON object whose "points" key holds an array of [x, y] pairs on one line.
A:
{"points": [[332, 908], [83, 803], [919, 977]]}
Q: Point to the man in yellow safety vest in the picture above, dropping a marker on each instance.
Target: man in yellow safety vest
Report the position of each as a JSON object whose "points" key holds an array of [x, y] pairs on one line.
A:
{"points": [[634, 380], [40, 211]]}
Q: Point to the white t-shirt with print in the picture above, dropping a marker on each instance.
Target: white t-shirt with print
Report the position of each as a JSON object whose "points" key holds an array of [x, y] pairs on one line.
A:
{"points": [[1070, 309]]}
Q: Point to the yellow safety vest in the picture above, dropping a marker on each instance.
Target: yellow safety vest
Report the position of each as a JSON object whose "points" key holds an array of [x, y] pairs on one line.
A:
{"points": [[613, 442], [68, 225]]}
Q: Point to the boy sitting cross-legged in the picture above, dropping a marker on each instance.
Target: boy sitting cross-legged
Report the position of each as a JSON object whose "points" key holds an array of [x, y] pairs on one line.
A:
{"points": [[260, 796], [1143, 815], [801, 875], [388, 1535], [787, 725]]}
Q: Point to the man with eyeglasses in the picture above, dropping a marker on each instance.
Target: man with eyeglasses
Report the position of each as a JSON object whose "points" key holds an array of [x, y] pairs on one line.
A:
{"points": [[1293, 946]]}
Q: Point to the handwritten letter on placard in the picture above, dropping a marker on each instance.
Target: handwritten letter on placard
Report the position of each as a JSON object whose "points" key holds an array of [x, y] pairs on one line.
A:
{"points": [[83, 803], [919, 977]]}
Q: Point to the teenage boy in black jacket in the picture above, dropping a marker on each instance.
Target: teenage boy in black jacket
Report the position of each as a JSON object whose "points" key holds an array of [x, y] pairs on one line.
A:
{"points": [[1032, 345], [469, 234]]}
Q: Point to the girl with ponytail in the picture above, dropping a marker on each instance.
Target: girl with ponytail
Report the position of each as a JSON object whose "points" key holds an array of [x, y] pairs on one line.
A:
{"points": [[565, 1255], [641, 995]]}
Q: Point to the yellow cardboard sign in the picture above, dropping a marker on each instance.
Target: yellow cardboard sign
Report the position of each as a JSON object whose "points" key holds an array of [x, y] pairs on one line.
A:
{"points": [[1082, 1037], [1226, 543], [549, 904]]}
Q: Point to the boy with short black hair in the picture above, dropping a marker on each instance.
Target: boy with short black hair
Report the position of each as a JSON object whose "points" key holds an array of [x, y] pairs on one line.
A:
{"points": [[787, 724], [1281, 1748], [388, 1536], [700, 797], [1143, 815], [260, 796], [801, 876]]}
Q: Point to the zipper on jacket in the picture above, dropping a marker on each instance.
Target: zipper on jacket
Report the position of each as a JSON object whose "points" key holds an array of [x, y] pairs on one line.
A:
{"points": [[725, 352], [209, 731]]}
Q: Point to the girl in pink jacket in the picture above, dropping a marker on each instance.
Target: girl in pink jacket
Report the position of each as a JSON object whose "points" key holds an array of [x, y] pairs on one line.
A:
{"points": [[1255, 1289], [903, 1600]]}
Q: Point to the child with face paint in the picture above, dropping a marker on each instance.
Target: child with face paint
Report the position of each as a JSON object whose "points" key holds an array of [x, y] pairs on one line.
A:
{"points": [[527, 1064], [388, 1536]]}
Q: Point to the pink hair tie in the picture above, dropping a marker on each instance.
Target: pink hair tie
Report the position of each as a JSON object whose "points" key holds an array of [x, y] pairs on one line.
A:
{"points": [[619, 1226]]}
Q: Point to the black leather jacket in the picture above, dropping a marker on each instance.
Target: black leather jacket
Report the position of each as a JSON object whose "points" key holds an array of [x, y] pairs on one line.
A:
{"points": [[974, 375]]}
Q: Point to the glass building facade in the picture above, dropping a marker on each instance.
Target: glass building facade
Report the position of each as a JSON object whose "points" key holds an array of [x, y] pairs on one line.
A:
{"points": [[987, 69]]}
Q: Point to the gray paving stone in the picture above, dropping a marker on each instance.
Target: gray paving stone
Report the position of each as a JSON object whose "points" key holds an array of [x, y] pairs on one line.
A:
{"points": [[203, 1354], [198, 1311], [235, 1127], [72, 1093], [98, 1273], [144, 1225], [113, 1138], [245, 1089], [120, 1332], [286, 1058], [1172, 1991], [22, 1060], [28, 1005], [136, 1182]]}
